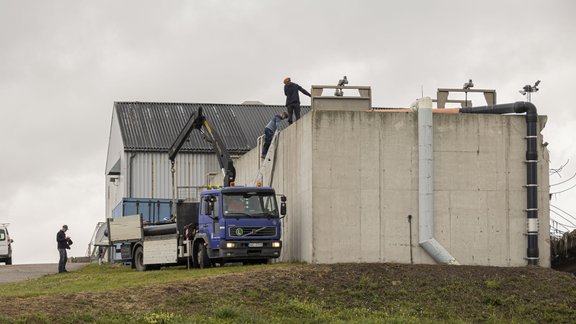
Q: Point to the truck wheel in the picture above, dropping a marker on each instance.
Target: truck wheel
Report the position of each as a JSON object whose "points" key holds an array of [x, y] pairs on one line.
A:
{"points": [[195, 254], [203, 260], [9, 261], [139, 259]]}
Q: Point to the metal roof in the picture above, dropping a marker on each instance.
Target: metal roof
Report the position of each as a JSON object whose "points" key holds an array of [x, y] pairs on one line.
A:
{"points": [[153, 126]]}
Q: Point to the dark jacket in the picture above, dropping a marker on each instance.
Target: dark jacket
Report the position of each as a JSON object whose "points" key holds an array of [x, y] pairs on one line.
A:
{"points": [[291, 91], [62, 241]]}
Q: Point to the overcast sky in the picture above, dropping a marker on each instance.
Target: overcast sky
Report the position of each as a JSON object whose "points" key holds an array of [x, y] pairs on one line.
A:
{"points": [[64, 63]]}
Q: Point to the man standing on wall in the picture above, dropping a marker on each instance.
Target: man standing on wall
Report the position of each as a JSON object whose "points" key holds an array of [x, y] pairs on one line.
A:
{"points": [[292, 98], [63, 245]]}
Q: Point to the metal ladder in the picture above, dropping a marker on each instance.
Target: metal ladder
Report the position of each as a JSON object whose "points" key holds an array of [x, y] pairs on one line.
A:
{"points": [[265, 172]]}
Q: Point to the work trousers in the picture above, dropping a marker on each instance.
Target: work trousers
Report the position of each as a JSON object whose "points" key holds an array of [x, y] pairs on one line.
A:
{"points": [[62, 261], [293, 109], [268, 134]]}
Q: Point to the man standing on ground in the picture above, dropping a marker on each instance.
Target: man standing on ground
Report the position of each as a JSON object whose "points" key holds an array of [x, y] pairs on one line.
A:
{"points": [[269, 131], [63, 244], [293, 99]]}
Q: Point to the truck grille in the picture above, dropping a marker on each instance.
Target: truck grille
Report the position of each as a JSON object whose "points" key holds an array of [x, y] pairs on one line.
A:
{"points": [[251, 231]]}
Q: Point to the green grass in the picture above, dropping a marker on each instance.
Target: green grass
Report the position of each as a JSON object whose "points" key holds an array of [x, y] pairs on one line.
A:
{"points": [[94, 278], [294, 293]]}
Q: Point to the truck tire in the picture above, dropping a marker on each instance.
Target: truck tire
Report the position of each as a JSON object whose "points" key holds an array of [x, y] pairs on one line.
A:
{"points": [[195, 262], [9, 261], [203, 259], [139, 259]]}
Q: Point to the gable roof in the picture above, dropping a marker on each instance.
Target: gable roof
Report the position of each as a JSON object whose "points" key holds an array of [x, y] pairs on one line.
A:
{"points": [[153, 126]]}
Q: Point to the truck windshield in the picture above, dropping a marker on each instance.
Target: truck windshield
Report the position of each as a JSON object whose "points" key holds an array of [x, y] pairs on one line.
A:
{"points": [[250, 205]]}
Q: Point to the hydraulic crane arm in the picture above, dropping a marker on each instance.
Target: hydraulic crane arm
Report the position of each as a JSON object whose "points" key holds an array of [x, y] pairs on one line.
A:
{"points": [[192, 124], [198, 121]]}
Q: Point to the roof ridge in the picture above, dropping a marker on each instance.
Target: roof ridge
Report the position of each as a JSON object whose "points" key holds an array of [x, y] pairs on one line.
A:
{"points": [[198, 103]]}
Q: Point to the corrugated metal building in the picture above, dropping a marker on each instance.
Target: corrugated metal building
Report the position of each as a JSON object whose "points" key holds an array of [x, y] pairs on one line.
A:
{"points": [[137, 164]]}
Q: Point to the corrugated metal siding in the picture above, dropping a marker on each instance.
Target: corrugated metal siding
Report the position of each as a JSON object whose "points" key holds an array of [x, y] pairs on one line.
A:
{"points": [[151, 176], [154, 126]]}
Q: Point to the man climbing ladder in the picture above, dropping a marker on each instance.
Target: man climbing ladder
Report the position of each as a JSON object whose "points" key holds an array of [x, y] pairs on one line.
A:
{"points": [[269, 131], [266, 165]]}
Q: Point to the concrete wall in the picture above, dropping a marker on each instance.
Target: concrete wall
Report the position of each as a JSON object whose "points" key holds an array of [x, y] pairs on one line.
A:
{"points": [[292, 177], [351, 179]]}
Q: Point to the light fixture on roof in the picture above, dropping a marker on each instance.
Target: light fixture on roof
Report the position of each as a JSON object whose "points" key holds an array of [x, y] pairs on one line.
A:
{"points": [[528, 89], [341, 83]]}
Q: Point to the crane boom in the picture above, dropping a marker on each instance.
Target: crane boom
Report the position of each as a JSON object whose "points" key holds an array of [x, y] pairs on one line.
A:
{"points": [[199, 122]]}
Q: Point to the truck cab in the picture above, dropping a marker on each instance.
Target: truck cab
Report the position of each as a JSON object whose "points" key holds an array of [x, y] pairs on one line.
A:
{"points": [[5, 245], [238, 224]]}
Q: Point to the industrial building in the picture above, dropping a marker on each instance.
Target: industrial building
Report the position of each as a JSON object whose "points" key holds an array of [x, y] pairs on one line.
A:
{"points": [[363, 184], [137, 164]]}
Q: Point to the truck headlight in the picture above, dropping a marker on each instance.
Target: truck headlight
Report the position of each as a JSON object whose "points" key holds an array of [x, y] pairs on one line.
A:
{"points": [[230, 245], [276, 244]]}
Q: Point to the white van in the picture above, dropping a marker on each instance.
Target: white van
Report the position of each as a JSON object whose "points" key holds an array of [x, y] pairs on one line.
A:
{"points": [[5, 245]]}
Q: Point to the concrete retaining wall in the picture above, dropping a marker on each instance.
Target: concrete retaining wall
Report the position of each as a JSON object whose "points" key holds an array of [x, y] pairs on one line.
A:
{"points": [[351, 179]]}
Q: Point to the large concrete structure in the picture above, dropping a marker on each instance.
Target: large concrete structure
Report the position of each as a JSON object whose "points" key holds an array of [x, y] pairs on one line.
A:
{"points": [[352, 179], [353, 176]]}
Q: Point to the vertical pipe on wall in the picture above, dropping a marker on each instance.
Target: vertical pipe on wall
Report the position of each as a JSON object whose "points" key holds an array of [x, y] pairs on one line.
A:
{"points": [[426, 186], [532, 253], [130, 167], [152, 176]]}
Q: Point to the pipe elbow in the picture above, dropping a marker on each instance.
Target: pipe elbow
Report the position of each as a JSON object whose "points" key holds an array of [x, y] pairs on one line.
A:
{"points": [[528, 108], [524, 107]]}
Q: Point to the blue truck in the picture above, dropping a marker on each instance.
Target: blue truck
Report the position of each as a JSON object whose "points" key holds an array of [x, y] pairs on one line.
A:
{"points": [[238, 224], [225, 224]]}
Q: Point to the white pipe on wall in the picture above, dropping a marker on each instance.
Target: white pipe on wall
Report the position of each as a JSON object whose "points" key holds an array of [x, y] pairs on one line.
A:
{"points": [[426, 185]]}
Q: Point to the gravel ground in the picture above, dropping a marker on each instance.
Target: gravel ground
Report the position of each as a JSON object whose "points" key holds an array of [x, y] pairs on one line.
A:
{"points": [[14, 273]]}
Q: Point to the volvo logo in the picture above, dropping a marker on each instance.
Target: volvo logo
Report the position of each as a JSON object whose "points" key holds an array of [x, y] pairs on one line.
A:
{"points": [[239, 231]]}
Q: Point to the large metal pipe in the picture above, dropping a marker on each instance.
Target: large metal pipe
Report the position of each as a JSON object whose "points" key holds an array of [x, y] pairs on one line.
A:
{"points": [[160, 229], [426, 186], [531, 165], [130, 168]]}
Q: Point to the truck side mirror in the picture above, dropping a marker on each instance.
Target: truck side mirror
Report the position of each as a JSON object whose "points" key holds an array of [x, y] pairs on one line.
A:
{"points": [[11, 241], [283, 205], [208, 206]]}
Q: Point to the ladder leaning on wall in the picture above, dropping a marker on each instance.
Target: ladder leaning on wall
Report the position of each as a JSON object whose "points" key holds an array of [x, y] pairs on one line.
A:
{"points": [[266, 169]]}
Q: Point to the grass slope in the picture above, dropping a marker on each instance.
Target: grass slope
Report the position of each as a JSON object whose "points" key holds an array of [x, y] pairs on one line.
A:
{"points": [[295, 293]]}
